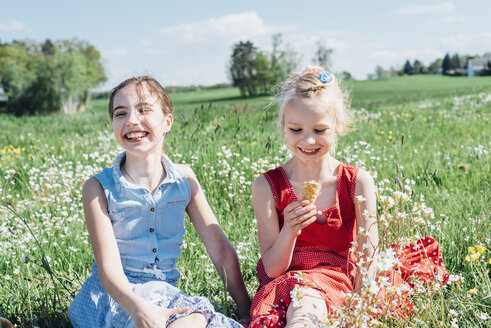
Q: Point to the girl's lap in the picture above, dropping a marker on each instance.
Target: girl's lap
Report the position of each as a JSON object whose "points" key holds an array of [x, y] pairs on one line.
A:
{"points": [[94, 307]]}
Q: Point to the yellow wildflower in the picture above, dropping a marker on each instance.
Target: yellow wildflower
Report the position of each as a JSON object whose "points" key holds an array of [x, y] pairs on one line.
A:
{"points": [[480, 248], [472, 250], [473, 291], [475, 256], [467, 258]]}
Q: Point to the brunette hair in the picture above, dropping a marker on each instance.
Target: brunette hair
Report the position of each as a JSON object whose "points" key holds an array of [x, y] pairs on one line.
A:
{"points": [[153, 87], [314, 81]]}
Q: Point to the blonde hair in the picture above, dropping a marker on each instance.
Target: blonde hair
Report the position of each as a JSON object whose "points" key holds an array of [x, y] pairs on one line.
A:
{"points": [[307, 84]]}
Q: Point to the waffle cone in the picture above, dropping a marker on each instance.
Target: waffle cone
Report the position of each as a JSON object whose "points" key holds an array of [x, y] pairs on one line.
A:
{"points": [[310, 190]]}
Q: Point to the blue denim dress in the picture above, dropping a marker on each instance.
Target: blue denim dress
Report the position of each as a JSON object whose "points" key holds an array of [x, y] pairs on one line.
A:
{"points": [[148, 230]]}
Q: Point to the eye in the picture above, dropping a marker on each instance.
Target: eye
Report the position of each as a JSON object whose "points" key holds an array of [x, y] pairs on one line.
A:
{"points": [[295, 130], [320, 130], [119, 114]]}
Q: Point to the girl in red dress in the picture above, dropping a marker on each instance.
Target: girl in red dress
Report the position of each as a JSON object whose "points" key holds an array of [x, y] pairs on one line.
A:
{"points": [[306, 265]]}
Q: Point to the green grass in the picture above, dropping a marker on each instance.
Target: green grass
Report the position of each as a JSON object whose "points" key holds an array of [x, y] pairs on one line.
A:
{"points": [[433, 130], [398, 90]]}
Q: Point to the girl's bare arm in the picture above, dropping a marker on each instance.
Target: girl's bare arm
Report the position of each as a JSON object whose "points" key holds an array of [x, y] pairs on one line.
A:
{"points": [[366, 223], [277, 245], [221, 251]]}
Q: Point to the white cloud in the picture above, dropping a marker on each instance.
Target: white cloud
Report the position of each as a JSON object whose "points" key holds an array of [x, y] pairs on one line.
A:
{"points": [[12, 25], [435, 14], [451, 19], [468, 42], [443, 8], [233, 27]]}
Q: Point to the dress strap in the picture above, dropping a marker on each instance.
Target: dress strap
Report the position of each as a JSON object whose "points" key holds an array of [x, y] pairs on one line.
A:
{"points": [[274, 178], [348, 180]]}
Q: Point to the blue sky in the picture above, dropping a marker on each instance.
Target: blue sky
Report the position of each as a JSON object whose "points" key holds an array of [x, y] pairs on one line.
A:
{"points": [[183, 42]]}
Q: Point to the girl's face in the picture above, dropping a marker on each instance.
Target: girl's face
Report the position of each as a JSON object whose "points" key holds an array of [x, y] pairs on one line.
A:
{"points": [[139, 123], [310, 131]]}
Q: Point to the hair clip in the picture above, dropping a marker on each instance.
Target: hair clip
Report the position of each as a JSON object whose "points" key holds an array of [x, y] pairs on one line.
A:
{"points": [[325, 77]]}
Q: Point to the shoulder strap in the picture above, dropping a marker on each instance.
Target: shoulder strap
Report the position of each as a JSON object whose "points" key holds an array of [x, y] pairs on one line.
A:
{"points": [[349, 179], [273, 177]]}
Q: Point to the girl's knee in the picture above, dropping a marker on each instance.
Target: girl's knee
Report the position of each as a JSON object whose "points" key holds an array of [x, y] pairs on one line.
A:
{"points": [[308, 311], [195, 320]]}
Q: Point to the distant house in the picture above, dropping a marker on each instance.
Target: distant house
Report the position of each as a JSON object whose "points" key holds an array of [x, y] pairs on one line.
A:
{"points": [[477, 66]]}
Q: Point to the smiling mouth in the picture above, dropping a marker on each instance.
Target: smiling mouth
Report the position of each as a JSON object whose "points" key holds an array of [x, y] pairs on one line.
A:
{"points": [[135, 135], [309, 151]]}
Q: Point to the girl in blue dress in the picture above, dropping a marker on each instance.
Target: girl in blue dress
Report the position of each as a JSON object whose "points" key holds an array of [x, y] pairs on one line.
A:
{"points": [[135, 219]]}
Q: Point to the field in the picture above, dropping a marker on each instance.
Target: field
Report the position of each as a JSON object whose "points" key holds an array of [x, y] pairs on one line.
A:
{"points": [[427, 135]]}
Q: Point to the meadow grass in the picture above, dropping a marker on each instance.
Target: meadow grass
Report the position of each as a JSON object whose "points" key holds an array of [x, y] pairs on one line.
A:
{"points": [[429, 132]]}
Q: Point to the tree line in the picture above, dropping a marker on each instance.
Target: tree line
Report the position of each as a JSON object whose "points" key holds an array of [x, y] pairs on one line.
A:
{"points": [[452, 65], [39, 78], [256, 72]]}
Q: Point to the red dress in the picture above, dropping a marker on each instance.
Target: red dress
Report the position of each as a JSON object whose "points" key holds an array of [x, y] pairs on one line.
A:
{"points": [[321, 257]]}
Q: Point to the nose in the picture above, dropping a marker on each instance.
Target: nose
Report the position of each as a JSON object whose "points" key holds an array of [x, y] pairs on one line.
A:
{"points": [[133, 117], [309, 139]]}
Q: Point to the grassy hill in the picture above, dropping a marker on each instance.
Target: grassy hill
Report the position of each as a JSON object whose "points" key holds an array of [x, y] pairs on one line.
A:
{"points": [[430, 134]]}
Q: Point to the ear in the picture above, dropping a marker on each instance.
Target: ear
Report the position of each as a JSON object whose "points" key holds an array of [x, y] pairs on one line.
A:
{"points": [[168, 120]]}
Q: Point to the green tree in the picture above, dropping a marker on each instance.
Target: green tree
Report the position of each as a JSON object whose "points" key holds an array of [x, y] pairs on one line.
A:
{"points": [[418, 67], [435, 66], [278, 68], [48, 77], [408, 68], [380, 72], [322, 56], [242, 67], [263, 78], [283, 61], [455, 62], [395, 72], [446, 64], [251, 70], [345, 75], [292, 58]]}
